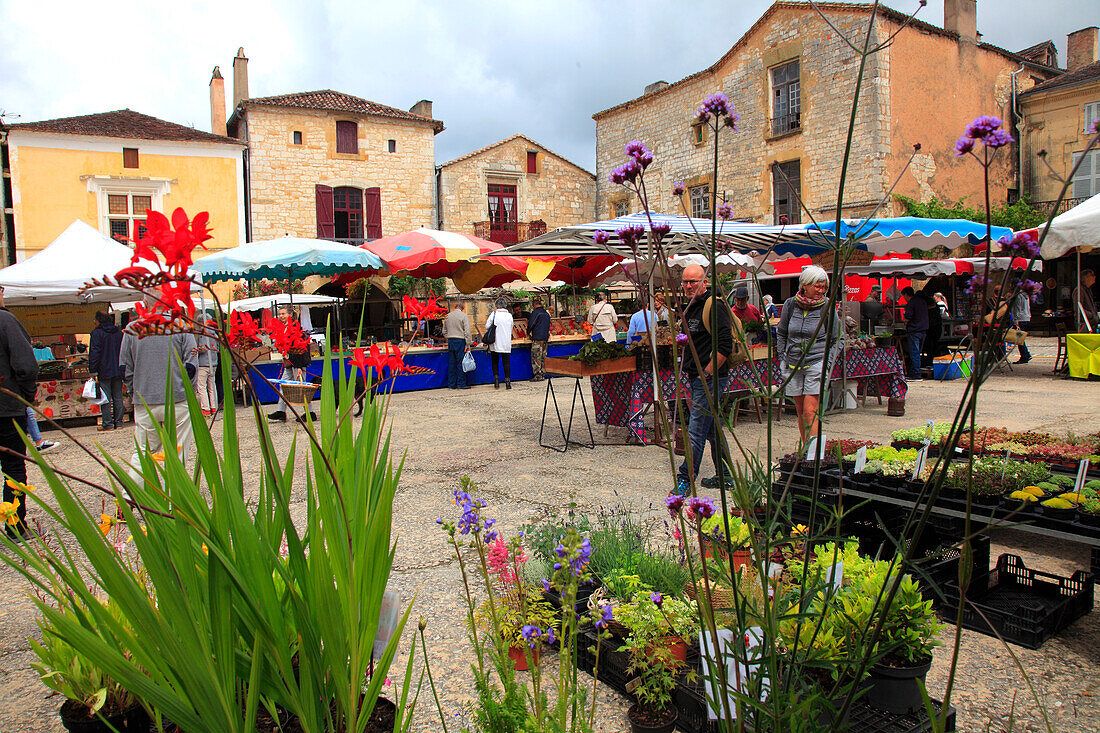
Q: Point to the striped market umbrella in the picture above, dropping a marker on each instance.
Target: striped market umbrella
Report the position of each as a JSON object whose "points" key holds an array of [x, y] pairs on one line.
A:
{"points": [[432, 253]]}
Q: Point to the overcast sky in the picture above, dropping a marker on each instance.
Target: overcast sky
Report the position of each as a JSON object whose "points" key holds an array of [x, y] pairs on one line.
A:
{"points": [[492, 68]]}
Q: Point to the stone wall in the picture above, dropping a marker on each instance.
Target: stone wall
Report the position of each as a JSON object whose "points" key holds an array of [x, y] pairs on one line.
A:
{"points": [[900, 103], [283, 175], [559, 192]]}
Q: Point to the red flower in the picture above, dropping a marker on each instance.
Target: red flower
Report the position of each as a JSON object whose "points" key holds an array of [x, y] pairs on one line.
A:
{"points": [[423, 311], [359, 361], [243, 331], [289, 337]]}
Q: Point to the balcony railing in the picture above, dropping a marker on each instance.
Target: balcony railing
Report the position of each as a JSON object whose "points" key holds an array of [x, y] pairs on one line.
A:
{"points": [[787, 123], [1045, 207], [524, 229]]}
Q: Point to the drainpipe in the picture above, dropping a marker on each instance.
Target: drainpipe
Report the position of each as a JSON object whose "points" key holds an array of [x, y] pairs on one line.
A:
{"points": [[439, 198], [1018, 124]]}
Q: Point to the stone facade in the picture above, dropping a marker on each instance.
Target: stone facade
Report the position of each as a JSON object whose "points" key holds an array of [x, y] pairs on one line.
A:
{"points": [[924, 87], [1055, 121], [283, 175], [559, 192]]}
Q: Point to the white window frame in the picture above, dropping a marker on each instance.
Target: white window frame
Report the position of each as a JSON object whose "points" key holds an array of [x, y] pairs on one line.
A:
{"points": [[104, 186], [624, 205], [1086, 183], [694, 195], [1092, 113]]}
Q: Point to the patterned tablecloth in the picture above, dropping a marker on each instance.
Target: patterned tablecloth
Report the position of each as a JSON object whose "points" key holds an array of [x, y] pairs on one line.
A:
{"points": [[61, 398], [622, 399]]}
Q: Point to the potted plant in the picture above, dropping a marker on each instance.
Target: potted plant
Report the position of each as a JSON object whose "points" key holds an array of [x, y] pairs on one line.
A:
{"points": [[514, 610], [903, 647], [736, 546], [653, 621], [93, 701], [1089, 512]]}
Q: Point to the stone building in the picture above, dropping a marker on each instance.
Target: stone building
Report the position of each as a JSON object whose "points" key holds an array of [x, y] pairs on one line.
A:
{"points": [[792, 79], [1056, 118], [513, 190], [328, 164], [108, 169]]}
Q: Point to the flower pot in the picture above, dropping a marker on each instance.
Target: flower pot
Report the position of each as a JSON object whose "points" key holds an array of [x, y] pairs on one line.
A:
{"points": [[644, 722], [1089, 520], [676, 646], [1059, 515], [75, 719], [518, 656], [896, 689]]}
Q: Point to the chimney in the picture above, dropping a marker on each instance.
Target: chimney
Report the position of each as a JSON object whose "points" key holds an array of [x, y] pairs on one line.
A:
{"points": [[422, 108], [961, 16], [240, 77], [1081, 48], [217, 102], [655, 87]]}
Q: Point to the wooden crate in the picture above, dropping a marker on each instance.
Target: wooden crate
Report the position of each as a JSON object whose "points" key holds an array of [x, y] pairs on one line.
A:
{"points": [[558, 365]]}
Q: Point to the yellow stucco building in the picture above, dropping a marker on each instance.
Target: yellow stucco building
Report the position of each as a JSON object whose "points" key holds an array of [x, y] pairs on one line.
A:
{"points": [[107, 169]]}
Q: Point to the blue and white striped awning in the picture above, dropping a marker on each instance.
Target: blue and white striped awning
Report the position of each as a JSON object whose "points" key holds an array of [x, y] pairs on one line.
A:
{"points": [[693, 236]]}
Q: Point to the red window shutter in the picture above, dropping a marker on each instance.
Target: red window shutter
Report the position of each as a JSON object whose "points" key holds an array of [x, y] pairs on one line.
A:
{"points": [[326, 225], [532, 161], [373, 212], [347, 137]]}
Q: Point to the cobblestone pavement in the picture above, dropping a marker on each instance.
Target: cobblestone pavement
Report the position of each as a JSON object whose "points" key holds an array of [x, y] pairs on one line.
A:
{"points": [[493, 437]]}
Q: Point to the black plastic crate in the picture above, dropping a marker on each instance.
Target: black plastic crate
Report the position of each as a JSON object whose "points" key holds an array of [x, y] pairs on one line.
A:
{"points": [[692, 707], [863, 718], [941, 564], [643, 358], [1023, 606]]}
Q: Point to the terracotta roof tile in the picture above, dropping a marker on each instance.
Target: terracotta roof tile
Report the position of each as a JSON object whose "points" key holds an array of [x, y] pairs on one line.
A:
{"points": [[123, 123], [328, 99], [1077, 76]]}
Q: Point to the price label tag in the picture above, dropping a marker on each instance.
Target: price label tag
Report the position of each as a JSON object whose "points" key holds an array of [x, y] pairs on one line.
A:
{"points": [[1082, 474], [918, 466], [928, 432], [861, 458], [815, 449]]}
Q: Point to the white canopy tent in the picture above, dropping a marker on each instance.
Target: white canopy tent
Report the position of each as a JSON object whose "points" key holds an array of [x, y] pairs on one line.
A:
{"points": [[55, 274], [1077, 228], [269, 301]]}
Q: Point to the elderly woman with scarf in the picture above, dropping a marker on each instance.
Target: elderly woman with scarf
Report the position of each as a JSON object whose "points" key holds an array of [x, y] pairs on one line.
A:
{"points": [[800, 345]]}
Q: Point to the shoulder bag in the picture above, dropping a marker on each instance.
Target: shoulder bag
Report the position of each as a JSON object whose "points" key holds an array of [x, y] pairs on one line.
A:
{"points": [[490, 336]]}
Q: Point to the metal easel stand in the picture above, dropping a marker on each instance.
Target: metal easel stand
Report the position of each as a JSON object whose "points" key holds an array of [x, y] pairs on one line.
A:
{"points": [[566, 432]]}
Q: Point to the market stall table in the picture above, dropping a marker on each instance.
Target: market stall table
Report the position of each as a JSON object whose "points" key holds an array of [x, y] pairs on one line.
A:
{"points": [[623, 399], [1084, 354]]}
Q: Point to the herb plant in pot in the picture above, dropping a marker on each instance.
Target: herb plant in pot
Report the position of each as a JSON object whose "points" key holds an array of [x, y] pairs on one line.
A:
{"points": [[1088, 513], [94, 702], [655, 663], [665, 624], [904, 645]]}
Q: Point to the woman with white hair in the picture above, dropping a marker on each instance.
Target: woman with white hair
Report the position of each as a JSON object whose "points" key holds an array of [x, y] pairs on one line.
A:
{"points": [[800, 345], [500, 349]]}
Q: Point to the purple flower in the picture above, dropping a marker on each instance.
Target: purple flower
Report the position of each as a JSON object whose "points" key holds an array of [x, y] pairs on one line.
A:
{"points": [[731, 120], [604, 618], [631, 235], [656, 598], [1018, 245], [560, 550], [637, 150], [546, 585], [725, 211], [601, 237], [490, 537], [1095, 129], [997, 139], [716, 105], [963, 146], [1032, 288], [976, 285], [626, 173], [674, 502], [489, 523], [660, 231], [531, 634], [982, 126], [557, 566], [678, 188], [550, 638], [681, 338], [701, 506]]}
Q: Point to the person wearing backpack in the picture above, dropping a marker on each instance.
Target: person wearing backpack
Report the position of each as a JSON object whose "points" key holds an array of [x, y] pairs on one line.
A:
{"points": [[706, 377]]}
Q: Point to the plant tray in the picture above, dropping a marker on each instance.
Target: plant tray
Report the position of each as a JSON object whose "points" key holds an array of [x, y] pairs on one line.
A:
{"points": [[571, 368], [1023, 606], [942, 566]]}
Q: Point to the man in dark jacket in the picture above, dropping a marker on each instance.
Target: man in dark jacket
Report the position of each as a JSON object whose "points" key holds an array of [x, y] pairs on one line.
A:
{"points": [[916, 330], [707, 376], [103, 350], [538, 329], [18, 372]]}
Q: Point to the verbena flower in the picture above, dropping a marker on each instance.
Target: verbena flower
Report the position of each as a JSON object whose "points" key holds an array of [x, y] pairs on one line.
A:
{"points": [[660, 231], [998, 139], [977, 285], [678, 188], [725, 211], [637, 150], [601, 237], [626, 173], [702, 506], [984, 129], [656, 598], [963, 146], [674, 503], [631, 235], [1018, 245], [1032, 288]]}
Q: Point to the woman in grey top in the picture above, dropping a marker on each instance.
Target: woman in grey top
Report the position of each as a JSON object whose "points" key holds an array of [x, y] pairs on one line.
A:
{"points": [[800, 345]]}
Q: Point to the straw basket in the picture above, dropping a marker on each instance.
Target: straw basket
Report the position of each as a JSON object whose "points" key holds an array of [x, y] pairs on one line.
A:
{"points": [[298, 394], [720, 596]]}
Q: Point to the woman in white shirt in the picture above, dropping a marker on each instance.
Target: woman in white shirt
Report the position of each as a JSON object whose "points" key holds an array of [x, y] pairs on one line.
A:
{"points": [[500, 349], [603, 318]]}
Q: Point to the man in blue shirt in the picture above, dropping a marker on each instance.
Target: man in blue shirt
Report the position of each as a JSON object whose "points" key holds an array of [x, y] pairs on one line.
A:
{"points": [[641, 321]]}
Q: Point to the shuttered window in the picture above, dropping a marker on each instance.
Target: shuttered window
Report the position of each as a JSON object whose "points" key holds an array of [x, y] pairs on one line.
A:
{"points": [[347, 137], [1086, 182], [1092, 114], [373, 212], [129, 157], [786, 184], [532, 161], [786, 98]]}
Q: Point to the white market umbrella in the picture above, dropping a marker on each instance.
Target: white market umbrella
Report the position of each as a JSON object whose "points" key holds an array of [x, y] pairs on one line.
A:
{"points": [[1079, 227]]}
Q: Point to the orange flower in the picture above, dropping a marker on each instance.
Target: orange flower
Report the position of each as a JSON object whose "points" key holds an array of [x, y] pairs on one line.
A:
{"points": [[19, 488], [9, 512], [106, 521]]}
